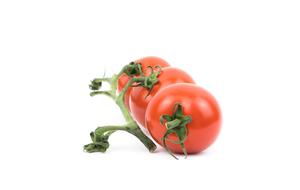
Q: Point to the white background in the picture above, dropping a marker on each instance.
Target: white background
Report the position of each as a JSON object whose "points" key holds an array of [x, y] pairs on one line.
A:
{"points": [[246, 53]]}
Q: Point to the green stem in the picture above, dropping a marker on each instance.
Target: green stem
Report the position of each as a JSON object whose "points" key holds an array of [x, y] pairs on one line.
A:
{"points": [[101, 134], [107, 93], [120, 99], [105, 79], [143, 138], [130, 128], [134, 128]]}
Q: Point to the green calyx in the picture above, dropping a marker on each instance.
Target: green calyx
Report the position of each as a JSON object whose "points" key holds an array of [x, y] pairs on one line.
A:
{"points": [[148, 82], [176, 124], [133, 69]]}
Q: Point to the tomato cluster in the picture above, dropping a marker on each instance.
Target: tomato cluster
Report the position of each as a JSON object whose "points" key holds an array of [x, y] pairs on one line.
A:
{"points": [[179, 115]]}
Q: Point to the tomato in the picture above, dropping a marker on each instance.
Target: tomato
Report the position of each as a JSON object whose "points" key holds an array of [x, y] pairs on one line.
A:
{"points": [[145, 62], [139, 100], [198, 104]]}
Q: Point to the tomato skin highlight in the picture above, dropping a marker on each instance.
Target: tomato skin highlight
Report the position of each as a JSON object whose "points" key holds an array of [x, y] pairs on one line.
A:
{"points": [[137, 101], [145, 62], [197, 103]]}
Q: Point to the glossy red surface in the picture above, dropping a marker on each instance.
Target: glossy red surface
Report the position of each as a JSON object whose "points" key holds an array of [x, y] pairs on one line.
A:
{"points": [[197, 103], [145, 62], [137, 101]]}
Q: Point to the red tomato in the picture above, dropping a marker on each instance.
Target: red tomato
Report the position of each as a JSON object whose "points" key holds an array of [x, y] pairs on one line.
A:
{"points": [[197, 103], [138, 101], [145, 62]]}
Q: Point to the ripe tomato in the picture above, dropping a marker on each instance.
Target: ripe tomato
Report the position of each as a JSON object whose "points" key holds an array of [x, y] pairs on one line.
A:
{"points": [[145, 62], [198, 104], [139, 100]]}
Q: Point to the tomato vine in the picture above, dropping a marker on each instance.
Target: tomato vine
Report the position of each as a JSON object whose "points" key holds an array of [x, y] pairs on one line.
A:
{"points": [[101, 134]]}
